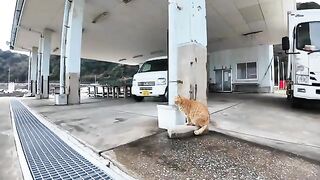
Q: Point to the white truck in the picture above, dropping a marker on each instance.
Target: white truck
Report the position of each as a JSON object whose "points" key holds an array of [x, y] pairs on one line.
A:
{"points": [[151, 79], [303, 49]]}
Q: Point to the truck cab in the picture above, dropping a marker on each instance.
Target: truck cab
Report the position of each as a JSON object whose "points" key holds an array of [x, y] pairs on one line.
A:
{"points": [[303, 49], [151, 79]]}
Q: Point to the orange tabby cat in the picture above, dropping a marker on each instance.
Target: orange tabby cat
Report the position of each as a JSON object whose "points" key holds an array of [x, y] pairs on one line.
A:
{"points": [[197, 114]]}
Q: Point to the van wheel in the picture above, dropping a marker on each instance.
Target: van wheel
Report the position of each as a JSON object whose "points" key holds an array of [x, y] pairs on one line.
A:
{"points": [[165, 96], [138, 98]]}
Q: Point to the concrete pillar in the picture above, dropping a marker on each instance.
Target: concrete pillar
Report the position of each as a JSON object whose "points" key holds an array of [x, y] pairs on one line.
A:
{"points": [[272, 80], [187, 55], [187, 49], [34, 69], [45, 63], [71, 49], [39, 79], [73, 52], [29, 73]]}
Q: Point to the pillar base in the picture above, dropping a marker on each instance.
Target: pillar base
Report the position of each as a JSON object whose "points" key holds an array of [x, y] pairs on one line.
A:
{"points": [[44, 97], [169, 117], [61, 99], [45, 88], [28, 95], [73, 88], [38, 96]]}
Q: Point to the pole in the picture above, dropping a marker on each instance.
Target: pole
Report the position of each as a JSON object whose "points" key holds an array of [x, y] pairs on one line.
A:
{"points": [[278, 60], [29, 72], [39, 74], [9, 75], [283, 76], [63, 57]]}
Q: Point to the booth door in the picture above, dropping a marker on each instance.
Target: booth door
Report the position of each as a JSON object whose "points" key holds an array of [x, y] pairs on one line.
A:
{"points": [[227, 87], [223, 80]]}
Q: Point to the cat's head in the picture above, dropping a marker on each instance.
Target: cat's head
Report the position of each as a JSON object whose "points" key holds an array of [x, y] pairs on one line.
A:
{"points": [[178, 100]]}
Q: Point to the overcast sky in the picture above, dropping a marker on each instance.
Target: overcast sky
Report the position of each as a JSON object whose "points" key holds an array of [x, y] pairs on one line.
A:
{"points": [[6, 16]]}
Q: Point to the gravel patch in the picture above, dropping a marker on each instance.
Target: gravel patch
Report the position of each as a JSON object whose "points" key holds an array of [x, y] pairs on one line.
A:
{"points": [[213, 156]]}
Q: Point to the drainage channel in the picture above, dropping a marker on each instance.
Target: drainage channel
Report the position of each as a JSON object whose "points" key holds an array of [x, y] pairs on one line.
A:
{"points": [[47, 155]]}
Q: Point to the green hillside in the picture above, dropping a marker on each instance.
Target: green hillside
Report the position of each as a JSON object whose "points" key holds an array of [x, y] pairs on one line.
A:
{"points": [[18, 64], [105, 72]]}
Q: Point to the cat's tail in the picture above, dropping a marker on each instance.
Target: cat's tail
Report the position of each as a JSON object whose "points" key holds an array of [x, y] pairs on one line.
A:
{"points": [[201, 130]]}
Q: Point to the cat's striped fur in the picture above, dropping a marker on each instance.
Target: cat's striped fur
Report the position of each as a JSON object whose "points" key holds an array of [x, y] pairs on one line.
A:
{"points": [[197, 113]]}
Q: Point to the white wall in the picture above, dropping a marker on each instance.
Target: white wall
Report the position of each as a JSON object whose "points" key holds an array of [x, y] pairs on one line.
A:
{"points": [[262, 54]]}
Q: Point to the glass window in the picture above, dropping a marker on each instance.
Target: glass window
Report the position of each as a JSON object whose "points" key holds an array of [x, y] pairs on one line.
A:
{"points": [[247, 70], [241, 71], [146, 67], [155, 65], [252, 70], [308, 34]]}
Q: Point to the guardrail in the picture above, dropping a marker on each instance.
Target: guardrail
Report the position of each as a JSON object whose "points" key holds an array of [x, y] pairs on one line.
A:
{"points": [[103, 91], [109, 91]]}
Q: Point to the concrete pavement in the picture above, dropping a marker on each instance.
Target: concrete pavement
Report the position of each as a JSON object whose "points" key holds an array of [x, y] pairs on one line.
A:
{"points": [[102, 124], [269, 119], [9, 163], [266, 119], [120, 128]]}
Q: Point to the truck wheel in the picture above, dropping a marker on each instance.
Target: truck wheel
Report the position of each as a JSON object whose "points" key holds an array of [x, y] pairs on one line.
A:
{"points": [[295, 102], [138, 98]]}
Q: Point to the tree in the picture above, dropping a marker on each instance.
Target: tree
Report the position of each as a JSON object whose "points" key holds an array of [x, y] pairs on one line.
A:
{"points": [[106, 72], [308, 5]]}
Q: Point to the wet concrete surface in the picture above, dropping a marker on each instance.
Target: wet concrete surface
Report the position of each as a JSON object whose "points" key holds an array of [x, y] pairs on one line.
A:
{"points": [[213, 156], [9, 163], [270, 120], [102, 124], [105, 124]]}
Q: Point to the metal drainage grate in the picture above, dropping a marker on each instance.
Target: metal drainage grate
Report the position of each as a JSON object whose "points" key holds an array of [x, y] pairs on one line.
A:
{"points": [[48, 156]]}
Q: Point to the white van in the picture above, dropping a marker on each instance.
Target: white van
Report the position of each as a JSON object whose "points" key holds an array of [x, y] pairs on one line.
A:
{"points": [[151, 79]]}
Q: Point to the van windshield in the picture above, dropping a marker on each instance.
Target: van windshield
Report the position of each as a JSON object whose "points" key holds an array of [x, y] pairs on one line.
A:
{"points": [[155, 65], [308, 34]]}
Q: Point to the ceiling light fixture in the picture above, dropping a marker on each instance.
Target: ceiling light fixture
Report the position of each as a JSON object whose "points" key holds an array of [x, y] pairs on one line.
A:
{"points": [[251, 33], [124, 59], [29, 29], [99, 17], [126, 1], [56, 49], [137, 56]]}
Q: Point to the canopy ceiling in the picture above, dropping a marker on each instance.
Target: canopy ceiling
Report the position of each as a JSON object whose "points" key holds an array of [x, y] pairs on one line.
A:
{"points": [[140, 26]]}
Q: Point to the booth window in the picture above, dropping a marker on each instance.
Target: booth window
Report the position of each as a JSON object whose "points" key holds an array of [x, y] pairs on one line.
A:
{"points": [[247, 70]]}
